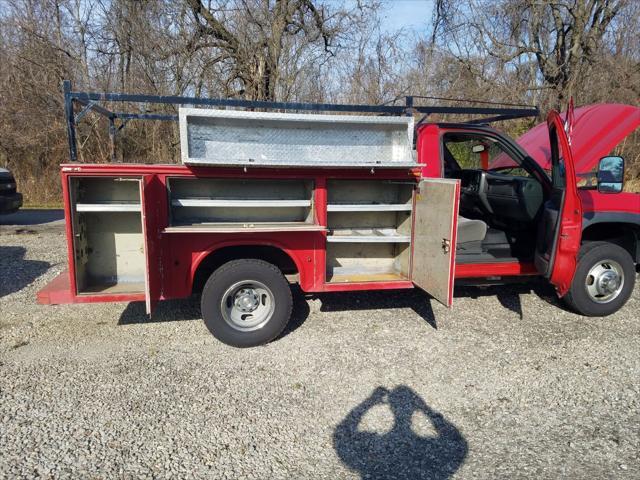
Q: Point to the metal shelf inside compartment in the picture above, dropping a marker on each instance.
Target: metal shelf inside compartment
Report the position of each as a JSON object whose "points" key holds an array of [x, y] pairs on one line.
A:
{"points": [[108, 207], [102, 286], [367, 235], [235, 227], [359, 274], [369, 207], [224, 202]]}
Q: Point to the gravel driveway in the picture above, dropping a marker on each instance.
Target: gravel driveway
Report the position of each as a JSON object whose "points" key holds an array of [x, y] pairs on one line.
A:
{"points": [[366, 385]]}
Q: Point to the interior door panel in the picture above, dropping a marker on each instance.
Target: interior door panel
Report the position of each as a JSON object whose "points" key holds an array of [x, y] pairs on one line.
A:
{"points": [[547, 233], [513, 197]]}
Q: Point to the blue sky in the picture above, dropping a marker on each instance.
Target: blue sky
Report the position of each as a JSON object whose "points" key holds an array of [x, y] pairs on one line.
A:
{"points": [[409, 14]]}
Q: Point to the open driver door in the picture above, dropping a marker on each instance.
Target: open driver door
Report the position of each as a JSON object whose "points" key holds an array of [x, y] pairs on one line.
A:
{"points": [[435, 223], [560, 228]]}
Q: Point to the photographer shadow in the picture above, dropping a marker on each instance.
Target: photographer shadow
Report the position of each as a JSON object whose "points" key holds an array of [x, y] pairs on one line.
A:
{"points": [[400, 452]]}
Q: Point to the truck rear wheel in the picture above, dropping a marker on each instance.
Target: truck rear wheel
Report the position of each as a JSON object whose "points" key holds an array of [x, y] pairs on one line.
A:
{"points": [[246, 303], [604, 280]]}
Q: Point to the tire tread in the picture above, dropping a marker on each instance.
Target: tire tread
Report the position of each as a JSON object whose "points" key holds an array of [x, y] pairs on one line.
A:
{"points": [[223, 271], [573, 296]]}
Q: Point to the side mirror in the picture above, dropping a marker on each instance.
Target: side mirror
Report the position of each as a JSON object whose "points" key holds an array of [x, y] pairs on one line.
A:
{"points": [[610, 174]]}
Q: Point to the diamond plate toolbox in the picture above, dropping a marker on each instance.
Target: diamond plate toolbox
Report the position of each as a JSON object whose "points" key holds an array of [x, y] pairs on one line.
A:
{"points": [[242, 138]]}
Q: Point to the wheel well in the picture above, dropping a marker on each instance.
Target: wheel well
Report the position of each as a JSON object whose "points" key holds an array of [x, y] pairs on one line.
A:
{"points": [[221, 256], [625, 235]]}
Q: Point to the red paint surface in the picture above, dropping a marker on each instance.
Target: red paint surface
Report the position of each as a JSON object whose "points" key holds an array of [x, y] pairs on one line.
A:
{"points": [[68, 225], [484, 160], [185, 252], [594, 201], [480, 270], [152, 211], [454, 241], [570, 234], [58, 291], [428, 151]]}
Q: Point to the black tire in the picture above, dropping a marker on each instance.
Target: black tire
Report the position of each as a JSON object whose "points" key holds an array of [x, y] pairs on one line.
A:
{"points": [[246, 275], [591, 255]]}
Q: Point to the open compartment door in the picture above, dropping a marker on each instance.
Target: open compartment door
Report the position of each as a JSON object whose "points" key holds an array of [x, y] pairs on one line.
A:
{"points": [[153, 267], [434, 237]]}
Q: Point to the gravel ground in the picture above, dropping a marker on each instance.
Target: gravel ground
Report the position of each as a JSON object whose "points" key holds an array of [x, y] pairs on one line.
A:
{"points": [[507, 384]]}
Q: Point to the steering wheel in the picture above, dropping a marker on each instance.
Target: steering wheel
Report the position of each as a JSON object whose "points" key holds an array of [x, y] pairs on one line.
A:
{"points": [[475, 191]]}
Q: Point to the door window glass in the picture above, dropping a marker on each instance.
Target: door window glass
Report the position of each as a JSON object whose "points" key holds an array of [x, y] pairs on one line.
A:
{"points": [[477, 152]]}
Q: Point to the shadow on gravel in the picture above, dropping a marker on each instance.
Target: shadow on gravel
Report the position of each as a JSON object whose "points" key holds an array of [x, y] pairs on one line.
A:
{"points": [[189, 309], [299, 313], [15, 272], [32, 217], [400, 452], [415, 299], [166, 311], [509, 294]]}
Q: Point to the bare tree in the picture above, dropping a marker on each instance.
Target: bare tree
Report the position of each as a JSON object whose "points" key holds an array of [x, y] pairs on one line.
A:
{"points": [[534, 51], [252, 37], [560, 38]]}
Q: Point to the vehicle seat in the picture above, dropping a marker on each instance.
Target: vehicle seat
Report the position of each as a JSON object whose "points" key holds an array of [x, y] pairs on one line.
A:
{"points": [[470, 235], [471, 230]]}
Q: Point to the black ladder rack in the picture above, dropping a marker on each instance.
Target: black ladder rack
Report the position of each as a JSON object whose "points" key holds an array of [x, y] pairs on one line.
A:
{"points": [[91, 101]]}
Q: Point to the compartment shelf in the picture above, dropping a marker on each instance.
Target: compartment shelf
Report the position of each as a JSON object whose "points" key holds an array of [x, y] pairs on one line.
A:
{"points": [[114, 288], [243, 227], [108, 207], [367, 235], [356, 274], [218, 202], [232, 204], [369, 207]]}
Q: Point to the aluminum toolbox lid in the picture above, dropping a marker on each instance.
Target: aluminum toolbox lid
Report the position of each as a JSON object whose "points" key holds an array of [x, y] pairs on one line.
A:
{"points": [[243, 138]]}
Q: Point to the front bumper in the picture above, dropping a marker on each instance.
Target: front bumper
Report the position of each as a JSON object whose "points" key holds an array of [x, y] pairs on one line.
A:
{"points": [[10, 203]]}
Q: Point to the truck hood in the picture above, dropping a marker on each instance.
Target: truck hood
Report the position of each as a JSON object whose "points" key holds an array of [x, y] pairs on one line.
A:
{"points": [[597, 129]]}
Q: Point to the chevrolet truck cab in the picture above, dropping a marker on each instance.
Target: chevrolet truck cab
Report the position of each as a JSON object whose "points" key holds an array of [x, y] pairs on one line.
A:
{"points": [[520, 203], [344, 203]]}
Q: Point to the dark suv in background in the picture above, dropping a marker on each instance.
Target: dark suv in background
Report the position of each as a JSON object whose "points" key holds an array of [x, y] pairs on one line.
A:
{"points": [[10, 199]]}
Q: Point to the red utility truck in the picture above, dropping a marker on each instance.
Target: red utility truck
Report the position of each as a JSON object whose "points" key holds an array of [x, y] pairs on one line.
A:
{"points": [[345, 202]]}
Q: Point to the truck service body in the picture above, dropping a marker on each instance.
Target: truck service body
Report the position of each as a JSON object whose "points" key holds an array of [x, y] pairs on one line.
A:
{"points": [[154, 232]]}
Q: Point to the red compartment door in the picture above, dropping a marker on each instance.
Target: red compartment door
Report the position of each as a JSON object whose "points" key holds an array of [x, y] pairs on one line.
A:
{"points": [[151, 234]]}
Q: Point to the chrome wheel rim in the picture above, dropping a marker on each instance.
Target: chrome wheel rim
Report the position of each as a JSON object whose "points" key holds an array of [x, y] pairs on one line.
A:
{"points": [[247, 305], [605, 281]]}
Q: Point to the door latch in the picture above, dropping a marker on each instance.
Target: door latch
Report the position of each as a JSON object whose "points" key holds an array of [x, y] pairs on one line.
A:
{"points": [[446, 246]]}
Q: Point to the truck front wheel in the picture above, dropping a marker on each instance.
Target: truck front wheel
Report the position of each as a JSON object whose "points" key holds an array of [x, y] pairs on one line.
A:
{"points": [[246, 303], [603, 281]]}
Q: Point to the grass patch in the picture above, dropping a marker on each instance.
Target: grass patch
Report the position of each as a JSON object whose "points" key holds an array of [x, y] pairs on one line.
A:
{"points": [[43, 206]]}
